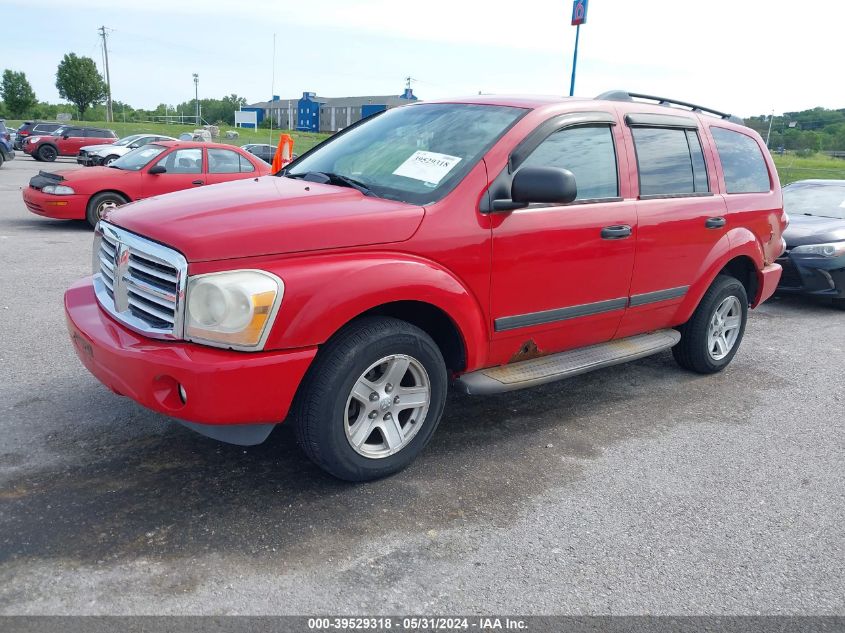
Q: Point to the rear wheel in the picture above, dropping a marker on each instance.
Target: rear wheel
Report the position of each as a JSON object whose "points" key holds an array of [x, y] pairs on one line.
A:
{"points": [[372, 399], [47, 153], [839, 303], [711, 338], [101, 203]]}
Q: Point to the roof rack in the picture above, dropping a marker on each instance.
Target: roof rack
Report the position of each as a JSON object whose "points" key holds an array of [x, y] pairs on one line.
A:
{"points": [[622, 95]]}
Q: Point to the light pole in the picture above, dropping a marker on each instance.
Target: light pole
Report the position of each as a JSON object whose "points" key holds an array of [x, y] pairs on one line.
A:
{"points": [[197, 96]]}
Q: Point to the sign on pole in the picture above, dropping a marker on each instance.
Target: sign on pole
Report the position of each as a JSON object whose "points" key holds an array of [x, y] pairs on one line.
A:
{"points": [[579, 12]]}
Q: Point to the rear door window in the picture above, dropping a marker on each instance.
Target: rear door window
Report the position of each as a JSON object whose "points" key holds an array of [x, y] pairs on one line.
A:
{"points": [[670, 162], [742, 162]]}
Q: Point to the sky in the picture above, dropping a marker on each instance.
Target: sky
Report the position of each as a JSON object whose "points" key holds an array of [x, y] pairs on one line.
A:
{"points": [[746, 57]]}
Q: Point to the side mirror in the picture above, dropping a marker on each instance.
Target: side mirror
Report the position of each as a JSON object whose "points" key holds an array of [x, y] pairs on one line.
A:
{"points": [[157, 169], [65, 137], [134, 146], [549, 185]]}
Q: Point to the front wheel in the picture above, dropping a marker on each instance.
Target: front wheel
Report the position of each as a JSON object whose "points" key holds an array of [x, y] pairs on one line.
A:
{"points": [[47, 153], [101, 203], [108, 160], [372, 399], [711, 338]]}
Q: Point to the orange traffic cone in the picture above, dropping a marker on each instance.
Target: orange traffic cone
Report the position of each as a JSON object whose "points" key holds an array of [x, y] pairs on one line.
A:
{"points": [[283, 154]]}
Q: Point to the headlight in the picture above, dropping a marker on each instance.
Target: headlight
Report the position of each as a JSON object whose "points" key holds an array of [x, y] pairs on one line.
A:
{"points": [[58, 190], [232, 309], [834, 249], [34, 139]]}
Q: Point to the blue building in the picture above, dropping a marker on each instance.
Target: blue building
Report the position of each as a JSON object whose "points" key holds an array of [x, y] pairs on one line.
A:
{"points": [[311, 113]]}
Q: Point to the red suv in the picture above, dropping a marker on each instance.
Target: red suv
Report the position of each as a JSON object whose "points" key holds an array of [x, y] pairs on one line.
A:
{"points": [[494, 242], [66, 141]]}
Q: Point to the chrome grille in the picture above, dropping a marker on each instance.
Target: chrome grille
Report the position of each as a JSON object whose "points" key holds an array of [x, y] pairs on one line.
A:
{"points": [[139, 282]]}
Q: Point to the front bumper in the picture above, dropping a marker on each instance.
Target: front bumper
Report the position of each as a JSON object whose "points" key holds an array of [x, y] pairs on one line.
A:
{"points": [[223, 387], [818, 276], [57, 207]]}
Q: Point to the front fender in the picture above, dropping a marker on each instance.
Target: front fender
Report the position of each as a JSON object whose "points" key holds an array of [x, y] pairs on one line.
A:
{"points": [[323, 293]]}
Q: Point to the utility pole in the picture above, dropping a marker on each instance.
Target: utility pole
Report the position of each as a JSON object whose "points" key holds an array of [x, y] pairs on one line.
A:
{"points": [[109, 112], [197, 96], [769, 133]]}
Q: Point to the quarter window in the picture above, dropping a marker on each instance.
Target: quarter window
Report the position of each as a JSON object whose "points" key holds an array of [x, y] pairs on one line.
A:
{"points": [[742, 162], [670, 162], [588, 153]]}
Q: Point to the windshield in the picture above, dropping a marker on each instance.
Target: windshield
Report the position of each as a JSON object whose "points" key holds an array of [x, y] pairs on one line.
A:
{"points": [[824, 200], [414, 154], [126, 140], [138, 158]]}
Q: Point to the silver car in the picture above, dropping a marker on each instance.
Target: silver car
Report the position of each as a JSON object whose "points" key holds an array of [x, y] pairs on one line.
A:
{"points": [[93, 155]]}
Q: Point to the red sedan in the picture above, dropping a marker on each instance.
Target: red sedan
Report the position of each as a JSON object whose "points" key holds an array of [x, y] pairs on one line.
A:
{"points": [[148, 171]]}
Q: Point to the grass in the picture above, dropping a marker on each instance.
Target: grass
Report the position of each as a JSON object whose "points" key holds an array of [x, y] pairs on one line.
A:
{"points": [[792, 167], [302, 141]]}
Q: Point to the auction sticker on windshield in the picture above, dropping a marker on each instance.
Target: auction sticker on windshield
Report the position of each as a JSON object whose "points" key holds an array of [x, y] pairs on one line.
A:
{"points": [[429, 167]]}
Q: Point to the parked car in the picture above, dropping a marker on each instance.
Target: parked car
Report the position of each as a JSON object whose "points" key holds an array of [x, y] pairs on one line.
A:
{"points": [[34, 128], [814, 261], [6, 151], [66, 140], [93, 155], [264, 151], [498, 242], [151, 170]]}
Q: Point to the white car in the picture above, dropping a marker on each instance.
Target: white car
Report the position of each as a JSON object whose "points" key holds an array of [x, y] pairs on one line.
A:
{"points": [[93, 155]]}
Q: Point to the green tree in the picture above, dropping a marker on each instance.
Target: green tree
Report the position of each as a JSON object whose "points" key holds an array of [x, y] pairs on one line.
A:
{"points": [[79, 82], [16, 93]]}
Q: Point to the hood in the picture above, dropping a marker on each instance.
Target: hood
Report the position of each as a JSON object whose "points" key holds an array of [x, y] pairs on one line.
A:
{"points": [[96, 148], [85, 181], [267, 216], [810, 229]]}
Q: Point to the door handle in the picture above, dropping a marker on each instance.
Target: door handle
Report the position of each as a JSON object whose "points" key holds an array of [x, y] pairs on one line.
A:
{"points": [[196, 182], [616, 232], [715, 223]]}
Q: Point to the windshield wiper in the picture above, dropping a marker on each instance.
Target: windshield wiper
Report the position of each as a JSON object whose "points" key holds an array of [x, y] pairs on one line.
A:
{"points": [[327, 178]]}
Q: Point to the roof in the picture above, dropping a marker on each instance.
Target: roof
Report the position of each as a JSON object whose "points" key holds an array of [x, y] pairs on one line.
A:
{"points": [[191, 144], [336, 102]]}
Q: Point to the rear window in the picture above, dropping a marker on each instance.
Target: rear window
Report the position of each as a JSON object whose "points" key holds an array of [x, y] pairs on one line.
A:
{"points": [[742, 162], [670, 162]]}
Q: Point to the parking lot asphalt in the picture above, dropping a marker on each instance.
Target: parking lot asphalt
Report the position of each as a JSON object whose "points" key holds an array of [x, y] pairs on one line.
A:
{"points": [[640, 489]]}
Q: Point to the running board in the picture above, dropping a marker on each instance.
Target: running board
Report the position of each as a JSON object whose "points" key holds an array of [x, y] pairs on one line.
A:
{"points": [[538, 371]]}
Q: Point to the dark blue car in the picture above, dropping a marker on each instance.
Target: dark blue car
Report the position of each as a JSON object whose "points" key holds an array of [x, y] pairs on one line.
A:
{"points": [[814, 261], [6, 151]]}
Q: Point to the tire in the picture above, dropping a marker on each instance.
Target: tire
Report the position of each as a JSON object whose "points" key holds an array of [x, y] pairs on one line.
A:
{"points": [[108, 160], [99, 203], [47, 153], [1, 159], [326, 411], [697, 351], [839, 303]]}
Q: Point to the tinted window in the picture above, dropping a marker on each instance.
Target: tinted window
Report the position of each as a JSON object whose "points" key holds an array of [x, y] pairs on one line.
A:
{"points": [[588, 153], [90, 133], [182, 161], [670, 161], [246, 166], [743, 164], [223, 161]]}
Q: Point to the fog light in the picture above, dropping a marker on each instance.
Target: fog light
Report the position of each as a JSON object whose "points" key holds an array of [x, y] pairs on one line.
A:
{"points": [[183, 396]]}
